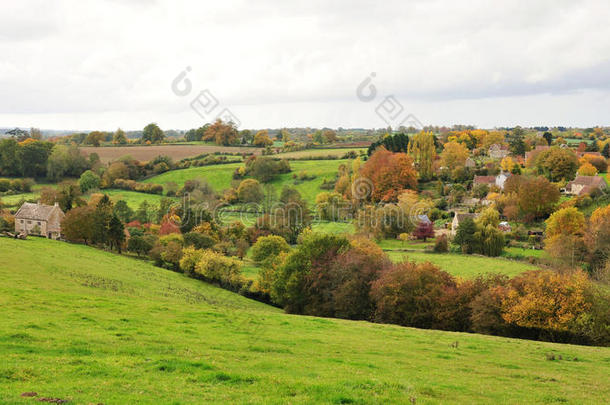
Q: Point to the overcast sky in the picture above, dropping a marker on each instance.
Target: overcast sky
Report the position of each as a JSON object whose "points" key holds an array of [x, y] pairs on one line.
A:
{"points": [[104, 64]]}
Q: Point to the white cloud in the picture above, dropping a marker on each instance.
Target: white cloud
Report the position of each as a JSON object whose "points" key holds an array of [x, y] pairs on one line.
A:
{"points": [[75, 64]]}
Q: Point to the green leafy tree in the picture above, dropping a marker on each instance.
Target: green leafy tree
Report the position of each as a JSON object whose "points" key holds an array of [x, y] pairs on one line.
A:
{"points": [[464, 236], [119, 137], [123, 211], [88, 181], [152, 133]]}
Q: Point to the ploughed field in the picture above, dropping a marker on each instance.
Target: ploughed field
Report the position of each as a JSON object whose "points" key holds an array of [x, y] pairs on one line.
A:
{"points": [[89, 326], [176, 152]]}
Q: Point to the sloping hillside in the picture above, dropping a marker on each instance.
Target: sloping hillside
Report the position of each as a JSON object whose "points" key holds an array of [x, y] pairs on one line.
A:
{"points": [[94, 327]]}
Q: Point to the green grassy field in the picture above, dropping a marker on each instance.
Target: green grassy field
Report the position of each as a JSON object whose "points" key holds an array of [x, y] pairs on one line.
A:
{"points": [[132, 198], [220, 176], [320, 152], [466, 266], [93, 327]]}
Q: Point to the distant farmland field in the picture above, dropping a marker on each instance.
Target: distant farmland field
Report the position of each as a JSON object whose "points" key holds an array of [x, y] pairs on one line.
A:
{"points": [[176, 152]]}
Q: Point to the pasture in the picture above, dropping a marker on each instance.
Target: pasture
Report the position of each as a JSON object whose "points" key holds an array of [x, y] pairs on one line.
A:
{"points": [[465, 266], [89, 326], [219, 177]]}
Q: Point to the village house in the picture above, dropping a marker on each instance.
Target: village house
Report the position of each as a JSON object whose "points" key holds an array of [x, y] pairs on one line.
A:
{"points": [[459, 217], [535, 151], [39, 219], [470, 163], [586, 185], [497, 151], [498, 180]]}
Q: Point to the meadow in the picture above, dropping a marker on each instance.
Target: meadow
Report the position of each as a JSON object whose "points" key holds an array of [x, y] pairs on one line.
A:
{"points": [[219, 177], [465, 266], [103, 328], [132, 198], [317, 153]]}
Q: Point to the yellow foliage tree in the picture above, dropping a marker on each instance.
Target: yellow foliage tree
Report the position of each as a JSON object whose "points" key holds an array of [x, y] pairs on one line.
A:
{"points": [[507, 164], [423, 152], [546, 300], [587, 169], [454, 155]]}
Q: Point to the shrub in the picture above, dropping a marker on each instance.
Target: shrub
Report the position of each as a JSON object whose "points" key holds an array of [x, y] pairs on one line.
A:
{"points": [[190, 257], [407, 294], [267, 248], [219, 268], [5, 185], [250, 191], [198, 240], [139, 245], [88, 181], [441, 245]]}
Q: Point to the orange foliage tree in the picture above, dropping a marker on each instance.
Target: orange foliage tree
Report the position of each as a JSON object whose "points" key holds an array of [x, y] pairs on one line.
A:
{"points": [[387, 175]]}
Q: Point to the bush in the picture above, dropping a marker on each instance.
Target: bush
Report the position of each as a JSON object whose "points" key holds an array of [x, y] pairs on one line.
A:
{"points": [[218, 268], [5, 185], [267, 248], [139, 245], [250, 191], [88, 181], [441, 245], [198, 240], [408, 294]]}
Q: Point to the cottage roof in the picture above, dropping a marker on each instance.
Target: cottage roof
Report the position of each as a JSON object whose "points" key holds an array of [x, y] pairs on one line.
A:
{"points": [[37, 212], [463, 215], [484, 179], [588, 181]]}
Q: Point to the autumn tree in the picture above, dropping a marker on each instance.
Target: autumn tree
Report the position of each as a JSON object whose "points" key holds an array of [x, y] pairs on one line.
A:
{"points": [[564, 236], [77, 225], [222, 133], [408, 293], [250, 191], [422, 149], [597, 239], [454, 155], [384, 176], [536, 197], [587, 169], [546, 300], [507, 164], [424, 230], [95, 138], [557, 164], [119, 137], [261, 139]]}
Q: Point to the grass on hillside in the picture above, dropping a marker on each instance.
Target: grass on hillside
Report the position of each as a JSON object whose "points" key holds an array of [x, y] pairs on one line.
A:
{"points": [[93, 327], [219, 177]]}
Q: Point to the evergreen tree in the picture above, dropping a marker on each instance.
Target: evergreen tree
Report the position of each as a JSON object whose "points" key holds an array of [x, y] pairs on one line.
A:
{"points": [[465, 235], [116, 233]]}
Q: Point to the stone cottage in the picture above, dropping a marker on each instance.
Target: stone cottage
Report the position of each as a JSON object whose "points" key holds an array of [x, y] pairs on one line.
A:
{"points": [[586, 185], [39, 219]]}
